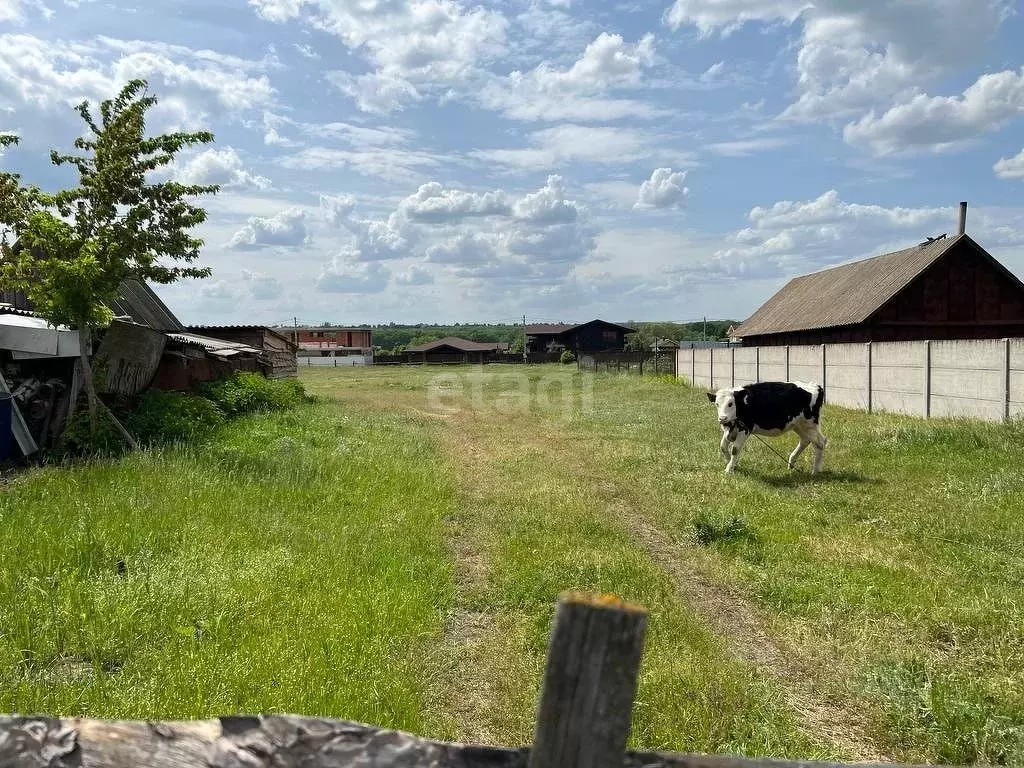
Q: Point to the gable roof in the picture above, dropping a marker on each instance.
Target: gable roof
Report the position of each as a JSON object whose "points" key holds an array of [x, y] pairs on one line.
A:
{"points": [[463, 345], [554, 329], [848, 294]]}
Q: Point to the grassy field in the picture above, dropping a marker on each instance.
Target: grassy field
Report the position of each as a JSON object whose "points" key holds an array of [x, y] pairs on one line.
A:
{"points": [[393, 554]]}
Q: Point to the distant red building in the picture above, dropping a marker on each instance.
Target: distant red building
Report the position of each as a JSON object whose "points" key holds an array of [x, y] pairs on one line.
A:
{"points": [[330, 339]]}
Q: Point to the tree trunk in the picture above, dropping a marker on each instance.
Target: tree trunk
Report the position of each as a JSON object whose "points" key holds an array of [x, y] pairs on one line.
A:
{"points": [[95, 404]]}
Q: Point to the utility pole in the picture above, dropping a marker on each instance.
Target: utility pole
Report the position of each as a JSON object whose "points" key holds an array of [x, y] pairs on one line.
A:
{"points": [[295, 321], [524, 338]]}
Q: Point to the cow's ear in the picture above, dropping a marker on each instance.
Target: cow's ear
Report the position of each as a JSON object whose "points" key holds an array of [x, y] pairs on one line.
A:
{"points": [[711, 397], [745, 399]]}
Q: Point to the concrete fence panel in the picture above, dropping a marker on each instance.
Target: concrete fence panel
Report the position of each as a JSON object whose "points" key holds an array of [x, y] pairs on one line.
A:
{"points": [[847, 379], [702, 376], [745, 361], [772, 363], [1016, 379], [968, 378], [898, 377], [805, 364], [722, 363], [982, 379]]}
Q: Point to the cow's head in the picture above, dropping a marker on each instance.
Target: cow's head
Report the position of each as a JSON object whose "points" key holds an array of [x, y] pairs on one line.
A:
{"points": [[725, 400]]}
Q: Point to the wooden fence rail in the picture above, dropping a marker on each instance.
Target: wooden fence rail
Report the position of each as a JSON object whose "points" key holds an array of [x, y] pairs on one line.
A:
{"points": [[583, 722]]}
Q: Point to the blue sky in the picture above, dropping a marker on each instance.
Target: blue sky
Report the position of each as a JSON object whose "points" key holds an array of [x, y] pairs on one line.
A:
{"points": [[450, 160]]}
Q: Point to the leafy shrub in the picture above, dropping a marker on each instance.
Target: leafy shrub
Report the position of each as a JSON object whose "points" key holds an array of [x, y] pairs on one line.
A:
{"points": [[567, 358], [709, 530], [168, 417], [78, 439], [251, 393]]}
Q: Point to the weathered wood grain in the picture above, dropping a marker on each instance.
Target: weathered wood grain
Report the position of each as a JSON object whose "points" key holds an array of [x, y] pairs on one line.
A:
{"points": [[280, 741], [590, 680]]}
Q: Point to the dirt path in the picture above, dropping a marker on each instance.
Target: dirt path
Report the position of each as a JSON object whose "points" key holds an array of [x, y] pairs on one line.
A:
{"points": [[733, 619]]}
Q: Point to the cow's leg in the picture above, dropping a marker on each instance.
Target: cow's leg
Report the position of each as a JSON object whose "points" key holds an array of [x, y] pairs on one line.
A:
{"points": [[800, 448], [724, 447], [819, 441], [737, 448]]}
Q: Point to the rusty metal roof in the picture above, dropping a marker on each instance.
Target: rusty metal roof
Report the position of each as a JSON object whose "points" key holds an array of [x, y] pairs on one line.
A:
{"points": [[845, 295]]}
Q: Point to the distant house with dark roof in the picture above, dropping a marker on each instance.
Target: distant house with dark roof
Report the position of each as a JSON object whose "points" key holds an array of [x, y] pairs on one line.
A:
{"points": [[944, 288], [593, 336], [452, 349]]}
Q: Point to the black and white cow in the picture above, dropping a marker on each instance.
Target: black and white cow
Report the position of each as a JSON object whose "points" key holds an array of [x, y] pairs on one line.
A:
{"points": [[771, 408]]}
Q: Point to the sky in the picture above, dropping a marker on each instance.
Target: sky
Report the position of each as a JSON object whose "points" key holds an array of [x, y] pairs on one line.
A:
{"points": [[457, 161]]}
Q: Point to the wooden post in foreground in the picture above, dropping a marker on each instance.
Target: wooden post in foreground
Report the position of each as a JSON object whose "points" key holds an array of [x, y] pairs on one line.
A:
{"points": [[593, 665]]}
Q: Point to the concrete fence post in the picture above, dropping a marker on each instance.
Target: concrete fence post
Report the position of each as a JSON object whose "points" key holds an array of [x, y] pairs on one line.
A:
{"points": [[757, 364], [711, 368], [693, 366], [927, 379], [824, 368], [787, 362], [732, 365], [1006, 380], [869, 376]]}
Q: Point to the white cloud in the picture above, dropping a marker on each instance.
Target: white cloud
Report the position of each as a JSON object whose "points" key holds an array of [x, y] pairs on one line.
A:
{"points": [[663, 190], [433, 203], [747, 147], [219, 166], [392, 164], [378, 92], [380, 240], [1010, 167], [306, 50], [852, 57], [939, 122], [287, 228], [548, 93], [793, 237], [728, 15], [548, 204], [336, 209], [566, 143], [262, 287], [193, 84], [344, 276], [413, 47], [415, 275], [10, 10], [465, 249]]}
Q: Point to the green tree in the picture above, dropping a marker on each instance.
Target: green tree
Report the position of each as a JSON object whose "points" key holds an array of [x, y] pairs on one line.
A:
{"points": [[76, 246]]}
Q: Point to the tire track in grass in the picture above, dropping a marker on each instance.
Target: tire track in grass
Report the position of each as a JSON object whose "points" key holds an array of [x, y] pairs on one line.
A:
{"points": [[467, 691], [736, 621]]}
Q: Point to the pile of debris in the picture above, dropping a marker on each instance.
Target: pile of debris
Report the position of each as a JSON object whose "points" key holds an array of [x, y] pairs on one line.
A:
{"points": [[144, 347]]}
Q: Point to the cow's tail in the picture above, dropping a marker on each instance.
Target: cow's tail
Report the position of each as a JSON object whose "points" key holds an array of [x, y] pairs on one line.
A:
{"points": [[819, 400]]}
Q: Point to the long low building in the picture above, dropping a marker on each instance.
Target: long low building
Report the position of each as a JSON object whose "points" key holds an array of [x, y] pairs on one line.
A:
{"points": [[453, 349]]}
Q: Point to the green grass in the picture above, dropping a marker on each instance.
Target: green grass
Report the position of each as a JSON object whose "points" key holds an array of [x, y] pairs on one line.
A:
{"points": [[395, 558], [296, 563]]}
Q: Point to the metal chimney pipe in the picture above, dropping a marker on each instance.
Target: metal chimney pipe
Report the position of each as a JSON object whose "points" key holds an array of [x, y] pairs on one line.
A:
{"points": [[963, 218]]}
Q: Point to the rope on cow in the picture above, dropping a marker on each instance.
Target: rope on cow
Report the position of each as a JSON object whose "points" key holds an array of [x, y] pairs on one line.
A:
{"points": [[770, 447]]}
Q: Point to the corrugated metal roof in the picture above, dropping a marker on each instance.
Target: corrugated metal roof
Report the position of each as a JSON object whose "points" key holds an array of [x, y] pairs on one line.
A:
{"points": [[213, 346], [844, 295], [138, 301], [463, 345]]}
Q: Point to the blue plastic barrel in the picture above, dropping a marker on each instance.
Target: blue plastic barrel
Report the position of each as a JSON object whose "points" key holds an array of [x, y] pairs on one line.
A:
{"points": [[6, 419]]}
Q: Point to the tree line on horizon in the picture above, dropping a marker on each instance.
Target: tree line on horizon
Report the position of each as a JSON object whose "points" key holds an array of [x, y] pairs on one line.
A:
{"points": [[394, 338]]}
